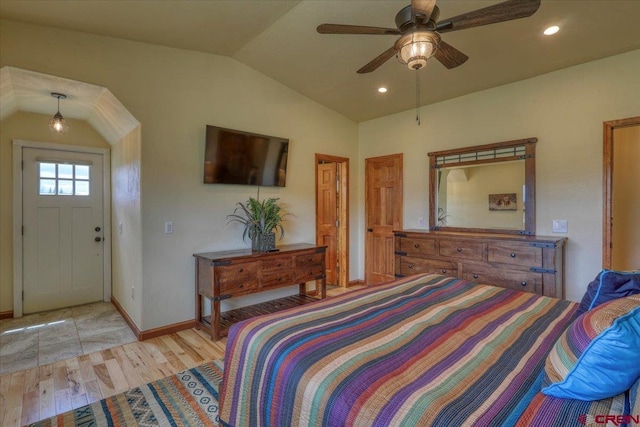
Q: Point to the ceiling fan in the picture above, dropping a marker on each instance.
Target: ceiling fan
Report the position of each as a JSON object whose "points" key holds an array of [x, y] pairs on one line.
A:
{"points": [[419, 31]]}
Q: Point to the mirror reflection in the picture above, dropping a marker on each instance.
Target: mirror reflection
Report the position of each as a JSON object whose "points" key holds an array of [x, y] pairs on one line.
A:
{"points": [[483, 196], [484, 188]]}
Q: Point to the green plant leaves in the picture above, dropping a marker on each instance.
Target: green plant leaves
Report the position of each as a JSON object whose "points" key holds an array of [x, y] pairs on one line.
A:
{"points": [[258, 217]]}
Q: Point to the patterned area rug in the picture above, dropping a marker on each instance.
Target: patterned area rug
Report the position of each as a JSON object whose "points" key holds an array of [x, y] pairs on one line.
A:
{"points": [[189, 398]]}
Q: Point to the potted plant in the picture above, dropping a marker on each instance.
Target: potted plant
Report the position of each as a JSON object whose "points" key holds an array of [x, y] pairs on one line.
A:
{"points": [[261, 220], [442, 217]]}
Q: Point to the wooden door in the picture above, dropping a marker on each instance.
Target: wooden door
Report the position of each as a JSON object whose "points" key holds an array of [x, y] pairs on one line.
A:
{"points": [[327, 216], [621, 203], [383, 214], [63, 250], [332, 215]]}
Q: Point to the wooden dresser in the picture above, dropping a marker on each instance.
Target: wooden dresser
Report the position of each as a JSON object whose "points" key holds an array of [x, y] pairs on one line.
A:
{"points": [[528, 263], [228, 274]]}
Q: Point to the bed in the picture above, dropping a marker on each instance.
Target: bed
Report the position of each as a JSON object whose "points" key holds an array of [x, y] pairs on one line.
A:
{"points": [[421, 351]]}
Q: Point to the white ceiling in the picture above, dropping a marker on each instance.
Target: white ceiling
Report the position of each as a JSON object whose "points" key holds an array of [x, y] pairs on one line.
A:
{"points": [[279, 39], [22, 90]]}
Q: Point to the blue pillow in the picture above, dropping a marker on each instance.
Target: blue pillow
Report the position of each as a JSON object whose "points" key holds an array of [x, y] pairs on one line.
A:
{"points": [[609, 285], [598, 356]]}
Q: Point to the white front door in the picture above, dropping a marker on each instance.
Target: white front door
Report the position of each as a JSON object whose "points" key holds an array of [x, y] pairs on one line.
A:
{"points": [[63, 249]]}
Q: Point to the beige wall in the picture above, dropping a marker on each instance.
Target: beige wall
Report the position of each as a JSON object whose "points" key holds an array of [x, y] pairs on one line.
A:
{"points": [[29, 127], [173, 94], [564, 110], [126, 228], [626, 199]]}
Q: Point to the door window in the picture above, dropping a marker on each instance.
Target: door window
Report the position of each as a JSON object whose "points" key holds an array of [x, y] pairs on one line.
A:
{"points": [[63, 179]]}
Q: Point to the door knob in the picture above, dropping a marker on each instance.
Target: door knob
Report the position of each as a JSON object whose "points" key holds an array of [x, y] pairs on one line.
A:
{"points": [[370, 230], [97, 229], [98, 239]]}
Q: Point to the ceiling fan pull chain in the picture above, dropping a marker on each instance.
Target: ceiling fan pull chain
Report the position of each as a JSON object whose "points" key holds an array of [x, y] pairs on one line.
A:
{"points": [[417, 97]]}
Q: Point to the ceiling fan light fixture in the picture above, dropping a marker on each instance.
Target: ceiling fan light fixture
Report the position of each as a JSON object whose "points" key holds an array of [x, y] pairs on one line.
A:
{"points": [[58, 124], [415, 48]]}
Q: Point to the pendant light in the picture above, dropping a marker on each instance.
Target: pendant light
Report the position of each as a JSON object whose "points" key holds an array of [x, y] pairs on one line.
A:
{"points": [[57, 123]]}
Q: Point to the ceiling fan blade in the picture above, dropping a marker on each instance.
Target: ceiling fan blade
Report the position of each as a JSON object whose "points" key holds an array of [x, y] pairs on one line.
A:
{"points": [[378, 61], [449, 56], [505, 11], [423, 8], [355, 29]]}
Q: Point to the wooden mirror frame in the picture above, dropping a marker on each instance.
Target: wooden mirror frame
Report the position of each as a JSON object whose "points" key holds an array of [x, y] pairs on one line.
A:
{"points": [[523, 149]]}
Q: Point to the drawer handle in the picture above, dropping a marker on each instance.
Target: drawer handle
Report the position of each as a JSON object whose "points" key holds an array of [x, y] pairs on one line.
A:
{"points": [[410, 265], [475, 276], [444, 271], [279, 279], [241, 285], [278, 265], [417, 245], [240, 270], [523, 283], [459, 249], [513, 255]]}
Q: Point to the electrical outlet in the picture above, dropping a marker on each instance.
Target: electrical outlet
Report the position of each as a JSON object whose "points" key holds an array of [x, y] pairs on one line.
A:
{"points": [[168, 227], [421, 221], [559, 226]]}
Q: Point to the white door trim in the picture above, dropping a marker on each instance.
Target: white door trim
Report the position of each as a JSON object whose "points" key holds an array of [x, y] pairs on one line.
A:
{"points": [[18, 145]]}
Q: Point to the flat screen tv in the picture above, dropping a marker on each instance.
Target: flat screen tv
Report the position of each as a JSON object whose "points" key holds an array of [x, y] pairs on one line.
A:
{"points": [[244, 158]]}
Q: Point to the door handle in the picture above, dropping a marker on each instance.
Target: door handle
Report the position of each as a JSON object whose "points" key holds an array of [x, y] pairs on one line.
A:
{"points": [[98, 239], [97, 229], [370, 230]]}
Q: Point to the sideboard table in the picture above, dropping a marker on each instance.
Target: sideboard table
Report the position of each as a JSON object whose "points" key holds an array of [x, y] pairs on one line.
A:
{"points": [[228, 274]]}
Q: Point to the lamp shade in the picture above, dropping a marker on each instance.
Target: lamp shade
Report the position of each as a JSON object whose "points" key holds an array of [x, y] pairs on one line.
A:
{"points": [[57, 123], [416, 47]]}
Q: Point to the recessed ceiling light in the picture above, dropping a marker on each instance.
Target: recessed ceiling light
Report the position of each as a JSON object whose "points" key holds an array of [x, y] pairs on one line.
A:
{"points": [[382, 89], [551, 30]]}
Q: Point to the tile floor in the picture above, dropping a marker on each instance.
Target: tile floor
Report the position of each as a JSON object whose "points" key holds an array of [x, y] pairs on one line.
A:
{"points": [[43, 338]]}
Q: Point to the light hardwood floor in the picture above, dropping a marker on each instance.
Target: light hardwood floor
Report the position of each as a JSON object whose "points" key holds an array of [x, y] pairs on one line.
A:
{"points": [[41, 392], [37, 393]]}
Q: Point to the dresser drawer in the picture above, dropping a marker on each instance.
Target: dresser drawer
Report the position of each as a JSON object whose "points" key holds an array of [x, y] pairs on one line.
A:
{"points": [[461, 249], [308, 260], [411, 265], [276, 279], [234, 272], [417, 247], [515, 254], [505, 278], [312, 272], [277, 263], [239, 286]]}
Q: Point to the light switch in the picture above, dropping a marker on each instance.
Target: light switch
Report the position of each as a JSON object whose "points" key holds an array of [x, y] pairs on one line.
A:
{"points": [[560, 226], [168, 227]]}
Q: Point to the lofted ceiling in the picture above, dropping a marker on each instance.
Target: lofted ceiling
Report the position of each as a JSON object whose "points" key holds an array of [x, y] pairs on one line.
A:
{"points": [[279, 39]]}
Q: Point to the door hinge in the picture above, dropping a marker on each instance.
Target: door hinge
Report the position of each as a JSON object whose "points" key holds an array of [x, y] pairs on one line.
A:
{"points": [[22, 295], [338, 223], [22, 230]]}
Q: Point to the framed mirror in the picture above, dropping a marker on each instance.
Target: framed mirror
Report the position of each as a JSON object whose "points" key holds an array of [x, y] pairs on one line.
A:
{"points": [[484, 188]]}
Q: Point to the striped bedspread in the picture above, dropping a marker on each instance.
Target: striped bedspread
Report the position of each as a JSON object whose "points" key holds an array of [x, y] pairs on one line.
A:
{"points": [[421, 351]]}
